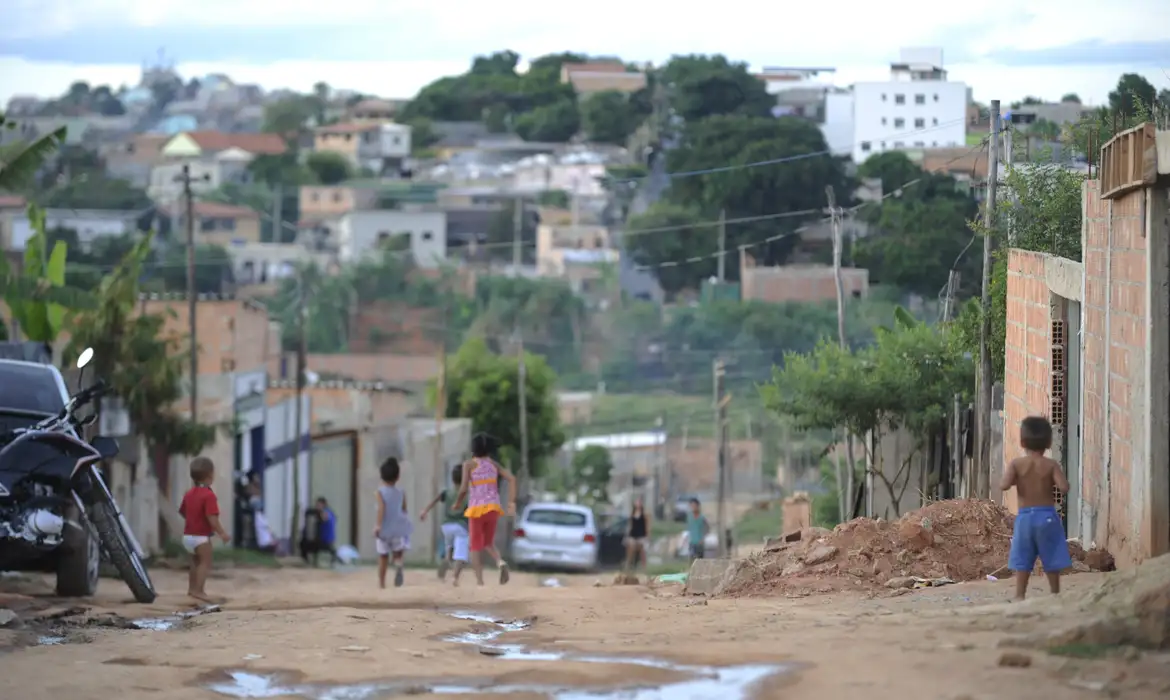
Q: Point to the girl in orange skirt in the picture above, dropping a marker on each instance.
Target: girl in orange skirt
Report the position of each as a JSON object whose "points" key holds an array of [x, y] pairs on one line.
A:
{"points": [[481, 483]]}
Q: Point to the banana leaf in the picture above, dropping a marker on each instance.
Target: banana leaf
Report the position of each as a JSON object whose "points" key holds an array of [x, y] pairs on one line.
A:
{"points": [[20, 161]]}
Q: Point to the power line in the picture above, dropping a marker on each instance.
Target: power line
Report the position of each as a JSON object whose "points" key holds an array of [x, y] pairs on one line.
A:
{"points": [[778, 161]]}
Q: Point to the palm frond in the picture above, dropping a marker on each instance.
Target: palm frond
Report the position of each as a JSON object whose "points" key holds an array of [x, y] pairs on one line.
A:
{"points": [[20, 161]]}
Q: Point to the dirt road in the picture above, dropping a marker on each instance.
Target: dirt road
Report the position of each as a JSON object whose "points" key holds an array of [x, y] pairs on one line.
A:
{"points": [[328, 636]]}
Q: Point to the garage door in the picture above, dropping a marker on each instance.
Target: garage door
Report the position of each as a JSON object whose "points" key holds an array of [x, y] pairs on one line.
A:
{"points": [[332, 477]]}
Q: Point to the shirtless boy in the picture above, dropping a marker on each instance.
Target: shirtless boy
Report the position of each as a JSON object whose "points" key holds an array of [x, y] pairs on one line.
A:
{"points": [[1039, 532]]}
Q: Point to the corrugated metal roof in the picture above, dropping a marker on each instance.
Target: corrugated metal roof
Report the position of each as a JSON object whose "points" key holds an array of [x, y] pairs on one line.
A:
{"points": [[622, 441]]}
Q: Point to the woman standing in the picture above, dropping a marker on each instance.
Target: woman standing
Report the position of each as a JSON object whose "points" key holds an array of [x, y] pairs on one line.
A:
{"points": [[637, 535]]}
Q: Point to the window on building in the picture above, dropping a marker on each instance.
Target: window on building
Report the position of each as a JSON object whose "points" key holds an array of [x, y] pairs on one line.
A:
{"points": [[934, 122], [934, 144], [920, 99], [899, 123], [919, 123], [883, 145], [883, 97], [427, 235], [936, 97], [899, 99], [866, 146], [899, 144], [336, 196], [383, 236], [397, 141], [883, 121], [919, 144], [207, 225]]}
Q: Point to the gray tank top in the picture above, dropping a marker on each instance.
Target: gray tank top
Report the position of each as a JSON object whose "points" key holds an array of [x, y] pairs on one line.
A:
{"points": [[395, 522]]}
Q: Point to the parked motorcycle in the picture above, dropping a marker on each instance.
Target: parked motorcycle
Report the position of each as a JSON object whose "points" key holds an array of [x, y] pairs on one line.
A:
{"points": [[54, 504]]}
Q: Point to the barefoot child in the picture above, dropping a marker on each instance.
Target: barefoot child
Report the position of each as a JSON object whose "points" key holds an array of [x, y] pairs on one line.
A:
{"points": [[392, 535], [481, 483], [200, 511], [455, 535], [1038, 532]]}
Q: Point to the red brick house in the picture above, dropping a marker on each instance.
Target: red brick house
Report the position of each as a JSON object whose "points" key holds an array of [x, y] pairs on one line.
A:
{"points": [[1088, 346]]}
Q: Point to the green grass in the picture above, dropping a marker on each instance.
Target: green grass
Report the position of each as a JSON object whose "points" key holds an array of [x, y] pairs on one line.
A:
{"points": [[975, 139], [757, 524]]}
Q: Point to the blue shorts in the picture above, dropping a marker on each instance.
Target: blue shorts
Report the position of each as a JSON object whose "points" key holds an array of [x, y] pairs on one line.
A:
{"points": [[1039, 534]]}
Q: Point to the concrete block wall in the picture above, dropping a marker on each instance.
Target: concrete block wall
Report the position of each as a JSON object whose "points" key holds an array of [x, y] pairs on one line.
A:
{"points": [[1027, 354], [1115, 416]]}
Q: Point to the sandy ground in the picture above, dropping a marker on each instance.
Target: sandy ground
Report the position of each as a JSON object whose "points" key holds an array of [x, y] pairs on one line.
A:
{"points": [[325, 628]]}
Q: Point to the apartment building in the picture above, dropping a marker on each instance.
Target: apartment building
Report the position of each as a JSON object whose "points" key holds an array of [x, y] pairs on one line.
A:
{"points": [[917, 107]]}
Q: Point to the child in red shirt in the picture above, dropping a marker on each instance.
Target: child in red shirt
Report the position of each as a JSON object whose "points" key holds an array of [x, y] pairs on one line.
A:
{"points": [[200, 511]]}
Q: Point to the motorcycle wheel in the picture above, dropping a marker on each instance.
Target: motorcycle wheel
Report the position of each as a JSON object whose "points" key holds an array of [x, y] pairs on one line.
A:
{"points": [[79, 561], [122, 555]]}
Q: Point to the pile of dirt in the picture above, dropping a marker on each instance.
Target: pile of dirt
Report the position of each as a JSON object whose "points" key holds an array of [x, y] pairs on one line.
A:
{"points": [[1126, 608], [960, 540]]}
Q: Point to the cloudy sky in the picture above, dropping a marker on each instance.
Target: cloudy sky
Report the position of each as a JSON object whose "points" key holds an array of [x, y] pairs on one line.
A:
{"points": [[393, 47]]}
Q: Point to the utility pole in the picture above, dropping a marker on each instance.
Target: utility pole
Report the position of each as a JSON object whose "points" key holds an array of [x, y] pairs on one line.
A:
{"points": [[517, 234], [298, 435], [278, 214], [192, 291], [723, 246], [721, 401], [982, 480], [439, 475], [838, 245], [952, 292], [523, 390]]}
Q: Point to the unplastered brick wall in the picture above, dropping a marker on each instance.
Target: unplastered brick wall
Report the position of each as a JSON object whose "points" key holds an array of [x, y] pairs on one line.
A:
{"points": [[1027, 353], [1114, 415]]}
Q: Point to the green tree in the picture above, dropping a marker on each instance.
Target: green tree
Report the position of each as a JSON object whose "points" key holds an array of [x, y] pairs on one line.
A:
{"points": [[291, 115], [797, 171], [330, 168], [667, 232], [93, 191], [591, 469], [1071, 97], [20, 160], [39, 320], [484, 387], [609, 117], [1043, 214], [143, 365], [554, 123], [1133, 93], [213, 269], [906, 380], [704, 86]]}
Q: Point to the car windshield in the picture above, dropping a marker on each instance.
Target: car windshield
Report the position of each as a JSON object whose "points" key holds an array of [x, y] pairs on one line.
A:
{"points": [[29, 388], [549, 516]]}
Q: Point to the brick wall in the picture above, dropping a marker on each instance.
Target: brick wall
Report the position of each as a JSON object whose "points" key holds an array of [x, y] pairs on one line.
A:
{"points": [[1027, 354], [1114, 423], [801, 283], [233, 334]]}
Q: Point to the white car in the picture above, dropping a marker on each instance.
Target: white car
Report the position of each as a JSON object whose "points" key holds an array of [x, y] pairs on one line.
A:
{"points": [[556, 536], [710, 546]]}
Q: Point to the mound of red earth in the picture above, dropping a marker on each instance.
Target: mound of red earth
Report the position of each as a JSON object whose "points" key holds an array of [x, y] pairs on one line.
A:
{"points": [[960, 540]]}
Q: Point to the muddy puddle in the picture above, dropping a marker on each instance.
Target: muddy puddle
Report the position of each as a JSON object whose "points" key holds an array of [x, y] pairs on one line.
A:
{"points": [[697, 683], [66, 626]]}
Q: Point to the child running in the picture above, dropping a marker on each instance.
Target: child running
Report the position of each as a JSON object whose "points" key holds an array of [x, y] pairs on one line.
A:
{"points": [[481, 483], [200, 511], [455, 536], [1038, 533], [392, 535]]}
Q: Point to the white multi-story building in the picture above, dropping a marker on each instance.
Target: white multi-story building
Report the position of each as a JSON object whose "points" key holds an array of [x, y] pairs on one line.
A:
{"points": [[916, 108], [362, 233]]}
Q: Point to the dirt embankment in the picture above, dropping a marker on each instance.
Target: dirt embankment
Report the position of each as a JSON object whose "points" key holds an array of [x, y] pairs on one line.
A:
{"points": [[955, 540]]}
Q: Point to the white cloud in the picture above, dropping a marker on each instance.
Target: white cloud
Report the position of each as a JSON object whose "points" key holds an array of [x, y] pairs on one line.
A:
{"points": [[646, 29]]}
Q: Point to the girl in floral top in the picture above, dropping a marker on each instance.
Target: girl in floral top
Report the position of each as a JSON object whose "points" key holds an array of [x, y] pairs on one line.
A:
{"points": [[481, 483]]}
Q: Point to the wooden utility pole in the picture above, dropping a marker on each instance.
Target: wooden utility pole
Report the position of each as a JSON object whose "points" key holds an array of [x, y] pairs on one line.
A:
{"points": [[298, 435], [439, 471], [517, 235], [722, 246], [721, 401], [192, 290], [982, 480], [838, 244]]}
